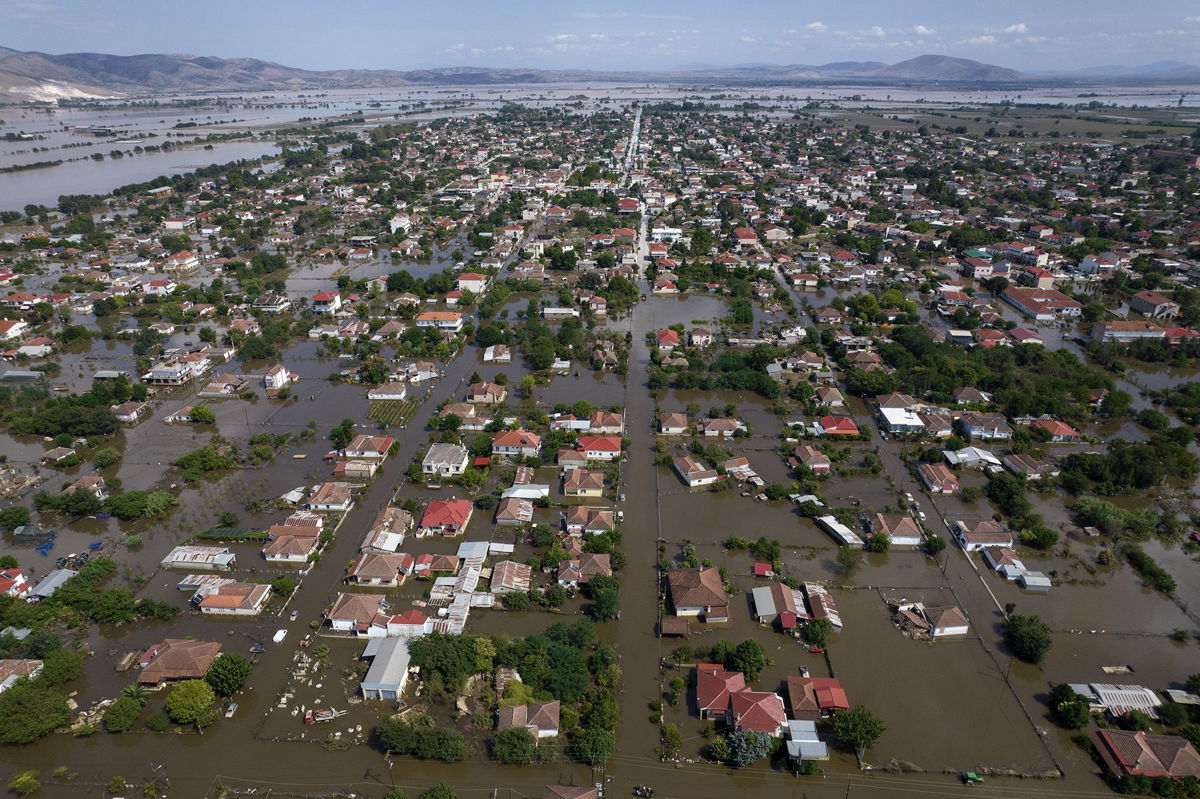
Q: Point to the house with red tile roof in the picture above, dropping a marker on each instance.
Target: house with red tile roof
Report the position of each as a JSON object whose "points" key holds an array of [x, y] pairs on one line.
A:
{"points": [[757, 711], [714, 686], [1060, 432], [445, 517]]}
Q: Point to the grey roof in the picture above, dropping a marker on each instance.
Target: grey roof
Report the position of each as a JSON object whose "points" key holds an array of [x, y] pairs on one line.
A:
{"points": [[51, 583], [390, 664], [764, 603]]}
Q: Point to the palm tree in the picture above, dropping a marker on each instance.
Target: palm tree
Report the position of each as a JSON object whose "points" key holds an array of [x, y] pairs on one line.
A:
{"points": [[135, 691]]}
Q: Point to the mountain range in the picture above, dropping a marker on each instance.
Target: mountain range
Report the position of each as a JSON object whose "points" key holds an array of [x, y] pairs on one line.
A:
{"points": [[26, 76]]}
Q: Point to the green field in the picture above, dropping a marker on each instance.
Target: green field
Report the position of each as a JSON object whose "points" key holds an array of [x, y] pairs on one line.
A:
{"points": [[393, 412]]}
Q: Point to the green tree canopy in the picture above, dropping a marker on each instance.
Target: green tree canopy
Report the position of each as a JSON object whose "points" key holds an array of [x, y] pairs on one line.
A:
{"points": [[858, 728], [121, 714], [1067, 708], [191, 702], [1028, 637], [227, 673]]}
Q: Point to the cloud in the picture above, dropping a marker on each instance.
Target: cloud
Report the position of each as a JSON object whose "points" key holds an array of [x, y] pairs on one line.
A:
{"points": [[985, 39], [878, 32], [1019, 27], [747, 39], [1191, 19], [564, 37], [597, 37], [816, 27], [921, 30]]}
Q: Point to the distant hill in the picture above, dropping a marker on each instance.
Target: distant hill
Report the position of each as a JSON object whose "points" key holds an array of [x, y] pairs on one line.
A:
{"points": [[42, 76], [941, 67], [1159, 70]]}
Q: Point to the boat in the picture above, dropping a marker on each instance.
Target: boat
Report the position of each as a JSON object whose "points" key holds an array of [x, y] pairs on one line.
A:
{"points": [[280, 634]]}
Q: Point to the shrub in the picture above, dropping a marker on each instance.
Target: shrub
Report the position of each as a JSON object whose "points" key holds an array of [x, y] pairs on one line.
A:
{"points": [[121, 714], [190, 702], [1028, 637], [158, 721], [1155, 575], [24, 783], [1067, 708], [227, 673]]}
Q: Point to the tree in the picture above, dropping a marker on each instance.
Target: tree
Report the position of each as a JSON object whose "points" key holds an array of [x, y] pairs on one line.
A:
{"points": [[604, 591], [1067, 708], [61, 666], [747, 746], [593, 746], [818, 631], [935, 544], [342, 434], [849, 560], [749, 658], [191, 702], [439, 791], [672, 740], [13, 517], [121, 714], [29, 712], [858, 728], [1028, 637], [514, 746], [24, 783], [106, 457], [227, 673], [1193, 683], [879, 542], [202, 414], [527, 386]]}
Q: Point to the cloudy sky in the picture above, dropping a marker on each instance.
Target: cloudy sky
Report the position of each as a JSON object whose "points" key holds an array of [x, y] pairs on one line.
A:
{"points": [[1022, 34]]}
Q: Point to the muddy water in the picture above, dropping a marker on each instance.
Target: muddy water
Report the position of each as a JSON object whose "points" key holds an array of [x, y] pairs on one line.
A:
{"points": [[930, 696]]}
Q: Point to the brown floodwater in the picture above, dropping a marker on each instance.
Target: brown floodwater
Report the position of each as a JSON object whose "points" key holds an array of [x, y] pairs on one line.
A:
{"points": [[952, 705]]}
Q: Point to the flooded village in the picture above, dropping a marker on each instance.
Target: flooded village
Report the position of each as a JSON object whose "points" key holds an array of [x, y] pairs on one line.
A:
{"points": [[681, 444]]}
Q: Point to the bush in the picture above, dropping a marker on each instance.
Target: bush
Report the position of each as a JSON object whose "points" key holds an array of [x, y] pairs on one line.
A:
{"points": [[593, 746], [514, 746], [24, 783], [158, 721], [1067, 708], [122, 714], [13, 517], [106, 457], [227, 673], [191, 702], [1039, 536], [1151, 572], [1028, 637], [29, 712], [515, 600], [747, 746]]}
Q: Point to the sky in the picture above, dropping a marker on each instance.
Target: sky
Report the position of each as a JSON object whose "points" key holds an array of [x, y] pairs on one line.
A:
{"points": [[617, 34]]}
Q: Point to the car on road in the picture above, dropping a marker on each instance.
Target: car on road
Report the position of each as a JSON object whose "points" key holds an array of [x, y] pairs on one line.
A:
{"points": [[908, 497]]}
